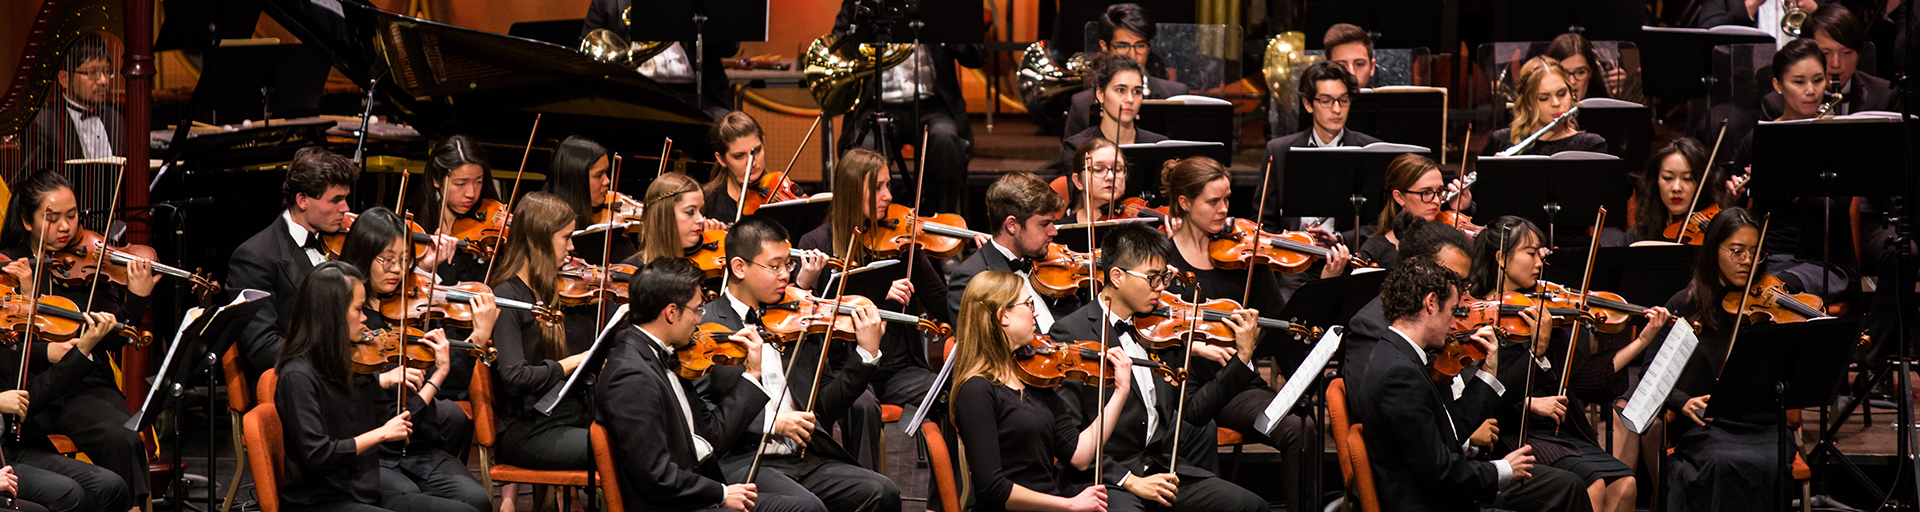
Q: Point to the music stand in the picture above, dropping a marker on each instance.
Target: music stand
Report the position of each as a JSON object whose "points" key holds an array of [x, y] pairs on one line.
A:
{"points": [[1398, 23], [1627, 126], [1326, 302], [694, 20], [1785, 366], [1178, 120], [1346, 183], [1402, 114], [1853, 148], [1540, 188], [1678, 62], [220, 329], [1144, 160], [1645, 275]]}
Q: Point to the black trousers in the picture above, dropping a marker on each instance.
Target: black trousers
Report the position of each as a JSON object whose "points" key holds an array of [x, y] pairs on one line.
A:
{"points": [[562, 448], [860, 430], [1291, 436], [61, 484], [1550, 489], [449, 483], [819, 483], [1212, 494], [93, 417]]}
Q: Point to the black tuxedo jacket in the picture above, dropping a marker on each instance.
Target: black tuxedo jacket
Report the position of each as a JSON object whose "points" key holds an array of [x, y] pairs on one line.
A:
{"points": [[270, 261], [1277, 150], [836, 395], [1082, 114], [1128, 449], [1475, 404], [1416, 454], [988, 258], [649, 436], [52, 138]]}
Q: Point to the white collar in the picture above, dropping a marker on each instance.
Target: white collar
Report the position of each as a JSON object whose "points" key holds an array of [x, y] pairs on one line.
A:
{"points": [[1314, 134], [298, 233], [656, 339], [1004, 251], [739, 308], [1417, 349]]}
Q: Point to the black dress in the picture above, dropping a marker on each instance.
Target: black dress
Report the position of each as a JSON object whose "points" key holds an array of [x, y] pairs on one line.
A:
{"points": [[1731, 463], [1013, 437], [1574, 447], [522, 376], [1501, 139], [721, 206], [1379, 249]]}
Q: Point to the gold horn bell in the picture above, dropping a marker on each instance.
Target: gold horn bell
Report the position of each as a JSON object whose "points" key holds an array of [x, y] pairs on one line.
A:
{"points": [[1042, 79], [1286, 56], [837, 79], [612, 48]]}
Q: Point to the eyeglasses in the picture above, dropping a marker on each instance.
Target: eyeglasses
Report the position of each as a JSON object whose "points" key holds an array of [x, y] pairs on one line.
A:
{"points": [[102, 74], [782, 268], [699, 311], [1326, 101], [390, 261], [1427, 196], [1158, 281], [1742, 254], [1580, 73], [1129, 47], [1106, 170], [1028, 303]]}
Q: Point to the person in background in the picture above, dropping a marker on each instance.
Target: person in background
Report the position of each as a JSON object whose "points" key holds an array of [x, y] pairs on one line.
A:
{"points": [[1126, 30], [80, 124]]}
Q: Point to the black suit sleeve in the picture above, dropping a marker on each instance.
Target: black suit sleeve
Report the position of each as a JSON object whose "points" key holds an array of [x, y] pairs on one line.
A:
{"points": [[723, 425], [1410, 429], [839, 392], [260, 341], [1205, 401], [303, 423], [638, 431]]}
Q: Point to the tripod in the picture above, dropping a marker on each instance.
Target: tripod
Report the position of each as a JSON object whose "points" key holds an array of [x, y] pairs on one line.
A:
{"points": [[877, 123]]}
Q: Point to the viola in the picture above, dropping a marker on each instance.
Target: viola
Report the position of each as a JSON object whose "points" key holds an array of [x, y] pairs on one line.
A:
{"points": [[426, 300], [1459, 221], [708, 350], [621, 211], [1243, 243], [1693, 229], [1063, 272], [83, 257], [421, 240], [1046, 363], [56, 318], [941, 235], [1768, 302], [1507, 313], [378, 350], [1610, 312], [483, 235], [579, 283], [1167, 326], [799, 313], [770, 187], [1459, 353]]}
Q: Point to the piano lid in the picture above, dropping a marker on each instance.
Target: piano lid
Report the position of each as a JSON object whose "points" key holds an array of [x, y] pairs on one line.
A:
{"points": [[445, 79]]}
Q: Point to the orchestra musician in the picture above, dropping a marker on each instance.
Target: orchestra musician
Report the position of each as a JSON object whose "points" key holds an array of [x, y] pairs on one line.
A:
{"points": [[1022, 206], [579, 175], [760, 262], [671, 222], [332, 419], [737, 141], [1761, 14], [663, 436], [1100, 165], [1326, 91], [1667, 187], [1417, 190], [274, 260], [1576, 55], [1014, 438], [459, 182], [1126, 30], [1543, 93], [1351, 48], [534, 356], [1119, 83], [1841, 37], [1799, 225], [1133, 265], [923, 92], [52, 481], [84, 125], [1509, 258]]}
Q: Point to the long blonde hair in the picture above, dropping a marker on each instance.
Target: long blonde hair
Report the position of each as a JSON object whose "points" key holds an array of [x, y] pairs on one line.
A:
{"points": [[1532, 74], [981, 348], [659, 222], [853, 178], [530, 245]]}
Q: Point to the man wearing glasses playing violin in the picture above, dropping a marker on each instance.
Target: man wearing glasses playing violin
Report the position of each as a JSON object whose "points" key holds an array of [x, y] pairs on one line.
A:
{"points": [[80, 124]]}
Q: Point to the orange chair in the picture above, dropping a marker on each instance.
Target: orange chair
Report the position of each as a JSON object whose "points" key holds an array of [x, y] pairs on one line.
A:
{"points": [[265, 450], [480, 394], [238, 403], [1363, 486], [269, 382], [1337, 410], [1229, 437], [941, 462], [609, 475]]}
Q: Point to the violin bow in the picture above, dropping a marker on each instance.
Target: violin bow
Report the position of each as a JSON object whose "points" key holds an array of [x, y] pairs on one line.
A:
{"points": [[1526, 394], [515, 194], [33, 310], [406, 281], [667, 149], [1586, 281], [1193, 326], [919, 185], [740, 207], [1259, 216], [784, 174], [606, 252], [1701, 185], [1106, 332], [839, 297], [786, 389], [101, 251], [1740, 315]]}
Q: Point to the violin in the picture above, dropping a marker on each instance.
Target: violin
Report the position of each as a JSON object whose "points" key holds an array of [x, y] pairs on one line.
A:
{"points": [[1063, 272], [1045, 363], [799, 313], [941, 235], [1459, 221], [770, 187], [711, 254], [1167, 326], [621, 211], [579, 283], [1289, 252], [482, 236], [421, 240], [426, 300], [378, 350], [1459, 353], [709, 349], [77, 263], [1691, 230], [1507, 314], [1769, 302], [1609, 311], [56, 318], [1133, 208]]}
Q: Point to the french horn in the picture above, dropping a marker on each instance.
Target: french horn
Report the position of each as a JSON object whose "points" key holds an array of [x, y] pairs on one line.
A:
{"points": [[1042, 79], [1286, 56], [836, 79], [610, 47]]}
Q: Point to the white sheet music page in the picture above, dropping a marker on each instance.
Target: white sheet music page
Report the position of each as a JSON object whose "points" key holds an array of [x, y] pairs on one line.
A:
{"points": [[1302, 378], [1658, 381]]}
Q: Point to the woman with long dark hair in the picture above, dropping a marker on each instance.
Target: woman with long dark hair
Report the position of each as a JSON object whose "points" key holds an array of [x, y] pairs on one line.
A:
{"points": [[581, 177], [458, 182]]}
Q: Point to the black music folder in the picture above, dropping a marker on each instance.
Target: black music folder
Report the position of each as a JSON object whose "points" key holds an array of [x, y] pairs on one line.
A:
{"points": [[1144, 160], [220, 328], [1645, 275], [1861, 150], [1678, 62], [1563, 190], [1189, 117], [1325, 182]]}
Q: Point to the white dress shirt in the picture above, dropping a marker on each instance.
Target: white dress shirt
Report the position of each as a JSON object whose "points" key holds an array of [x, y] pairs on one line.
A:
{"points": [[773, 382], [299, 235], [701, 448], [1042, 315], [91, 130]]}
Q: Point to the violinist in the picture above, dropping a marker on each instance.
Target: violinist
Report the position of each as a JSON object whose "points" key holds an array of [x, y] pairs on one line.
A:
{"points": [[334, 421], [1508, 258], [1714, 465], [1326, 92], [536, 356], [1014, 438], [1120, 84], [378, 247], [737, 141], [1417, 188], [580, 175], [458, 187], [278, 257], [1592, 78], [1544, 92], [43, 219], [1133, 266], [861, 196], [665, 439], [1099, 164], [671, 221], [759, 270], [45, 479], [1019, 203], [1126, 30], [1666, 189]]}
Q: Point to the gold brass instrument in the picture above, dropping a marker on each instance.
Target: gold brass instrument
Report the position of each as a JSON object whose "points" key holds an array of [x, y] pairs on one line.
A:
{"points": [[1042, 79], [1826, 107], [612, 48], [1792, 17], [1286, 56], [837, 78]]}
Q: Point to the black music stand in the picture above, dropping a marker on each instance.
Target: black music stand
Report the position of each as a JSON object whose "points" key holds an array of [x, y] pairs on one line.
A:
{"points": [[799, 216], [1144, 160], [1326, 302], [596, 354], [1404, 116], [1345, 183], [1398, 23], [220, 329], [1853, 160], [696, 20], [1540, 189], [1645, 275], [1785, 366], [1678, 62], [1627, 126], [1188, 121]]}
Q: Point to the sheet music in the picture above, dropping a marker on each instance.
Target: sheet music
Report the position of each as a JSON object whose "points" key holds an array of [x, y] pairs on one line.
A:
{"points": [[912, 428], [1302, 378], [547, 403], [1647, 399], [173, 348]]}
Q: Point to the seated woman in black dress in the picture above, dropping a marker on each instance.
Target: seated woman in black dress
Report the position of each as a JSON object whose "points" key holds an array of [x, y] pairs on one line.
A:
{"points": [[1508, 259], [457, 186], [737, 142], [333, 420], [1416, 187], [1544, 91], [1014, 438], [582, 177], [536, 356], [1122, 84]]}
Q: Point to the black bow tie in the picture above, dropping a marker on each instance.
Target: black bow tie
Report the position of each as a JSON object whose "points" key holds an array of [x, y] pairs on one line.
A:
{"points": [[752, 317], [1122, 327], [85, 113], [668, 361], [313, 242], [1022, 265]]}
